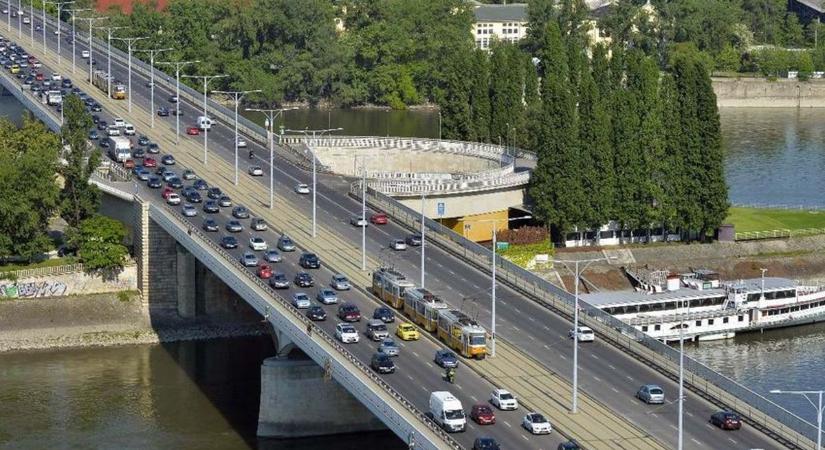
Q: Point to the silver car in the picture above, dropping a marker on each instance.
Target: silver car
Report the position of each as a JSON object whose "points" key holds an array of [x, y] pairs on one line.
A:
{"points": [[300, 300], [376, 330], [388, 347], [225, 201], [272, 256], [340, 283], [189, 210], [286, 244], [249, 259], [327, 296], [279, 281], [258, 224], [652, 394], [398, 245]]}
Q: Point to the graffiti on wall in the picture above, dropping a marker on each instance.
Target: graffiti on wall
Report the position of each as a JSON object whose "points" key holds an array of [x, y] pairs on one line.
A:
{"points": [[33, 289]]}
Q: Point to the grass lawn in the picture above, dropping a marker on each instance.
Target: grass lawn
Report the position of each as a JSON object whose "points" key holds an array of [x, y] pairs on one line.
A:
{"points": [[757, 219]]}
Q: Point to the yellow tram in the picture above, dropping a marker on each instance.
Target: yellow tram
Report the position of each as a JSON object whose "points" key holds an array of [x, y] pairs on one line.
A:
{"points": [[423, 307], [390, 286], [462, 334]]}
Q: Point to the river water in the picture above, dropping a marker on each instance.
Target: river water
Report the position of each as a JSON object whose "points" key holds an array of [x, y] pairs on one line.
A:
{"points": [[205, 394]]}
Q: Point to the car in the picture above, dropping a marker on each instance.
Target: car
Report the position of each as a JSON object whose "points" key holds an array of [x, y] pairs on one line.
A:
{"points": [[112, 131], [192, 131], [482, 414], [84, 54], [316, 313], [118, 122], [138, 153], [200, 185], [167, 174], [339, 282], [584, 334], [233, 226], [189, 174], [141, 173], [407, 331], [211, 207], [242, 142], [264, 271], [346, 333], [285, 244], [154, 183], [93, 135], [652, 394], [357, 221], [213, 192], [210, 225], [129, 130], [173, 199], [225, 201], [382, 363], [377, 330], [249, 259], [66, 83], [300, 300], [303, 279], [348, 312], [176, 112], [504, 400], [256, 171], [96, 107], [143, 141], [569, 445], [102, 125], [95, 119], [193, 197], [485, 443], [327, 296], [258, 224], [279, 281], [150, 162], [104, 143], [379, 219], [163, 111], [168, 160], [272, 255], [398, 245], [173, 99], [309, 261], [240, 212], [56, 76], [726, 420], [535, 423], [302, 188], [388, 347], [257, 243], [175, 183], [384, 314], [153, 148], [188, 210], [445, 358]]}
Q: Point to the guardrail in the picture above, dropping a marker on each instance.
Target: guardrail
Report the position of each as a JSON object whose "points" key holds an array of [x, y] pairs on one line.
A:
{"points": [[800, 206], [783, 233], [45, 271], [401, 189], [785, 425]]}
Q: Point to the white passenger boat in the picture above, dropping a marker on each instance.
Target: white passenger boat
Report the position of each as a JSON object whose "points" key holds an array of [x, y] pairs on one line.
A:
{"points": [[698, 306]]}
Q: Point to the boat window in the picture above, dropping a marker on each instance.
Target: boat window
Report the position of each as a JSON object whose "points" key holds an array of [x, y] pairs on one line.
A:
{"points": [[710, 321], [644, 328], [657, 327], [741, 318], [725, 320], [698, 323]]}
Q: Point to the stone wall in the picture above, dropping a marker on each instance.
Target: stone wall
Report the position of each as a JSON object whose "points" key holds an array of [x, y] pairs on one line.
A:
{"points": [[761, 93], [70, 283]]}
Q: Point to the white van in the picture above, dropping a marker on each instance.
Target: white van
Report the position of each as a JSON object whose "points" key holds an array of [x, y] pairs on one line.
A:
{"points": [[120, 148], [447, 411], [204, 123]]}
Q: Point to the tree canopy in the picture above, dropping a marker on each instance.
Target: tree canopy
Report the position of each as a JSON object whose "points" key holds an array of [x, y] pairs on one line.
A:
{"points": [[99, 243]]}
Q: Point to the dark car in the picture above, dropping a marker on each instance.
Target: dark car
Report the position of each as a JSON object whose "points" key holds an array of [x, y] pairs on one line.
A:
{"points": [[382, 363], [229, 242], [210, 225], [103, 143], [726, 420], [279, 280], [96, 107], [349, 313], [66, 83], [485, 443], [154, 183], [200, 185], [153, 148], [211, 206], [233, 226], [143, 141], [168, 160], [303, 279], [309, 261], [163, 111], [413, 240], [193, 197], [214, 193], [93, 135], [102, 125], [483, 414], [225, 201], [175, 183], [445, 358], [138, 153], [240, 212], [95, 119], [316, 313], [383, 314], [569, 445]]}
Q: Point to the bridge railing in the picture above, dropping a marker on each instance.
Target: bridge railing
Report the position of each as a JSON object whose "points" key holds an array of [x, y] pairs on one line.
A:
{"points": [[401, 189], [756, 408]]}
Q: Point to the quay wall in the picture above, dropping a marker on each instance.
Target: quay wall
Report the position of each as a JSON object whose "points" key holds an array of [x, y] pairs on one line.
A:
{"points": [[761, 93]]}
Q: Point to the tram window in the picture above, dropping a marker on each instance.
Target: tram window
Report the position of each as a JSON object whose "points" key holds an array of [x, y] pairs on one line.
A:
{"points": [[644, 328], [698, 323], [710, 321], [657, 327], [741, 318], [725, 320]]}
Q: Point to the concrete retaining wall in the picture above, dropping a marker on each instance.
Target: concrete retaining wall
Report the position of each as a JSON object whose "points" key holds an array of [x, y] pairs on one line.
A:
{"points": [[73, 283], [347, 161], [761, 93]]}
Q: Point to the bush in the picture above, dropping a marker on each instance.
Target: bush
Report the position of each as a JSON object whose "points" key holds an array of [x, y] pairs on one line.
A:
{"points": [[123, 296], [523, 235], [521, 255]]}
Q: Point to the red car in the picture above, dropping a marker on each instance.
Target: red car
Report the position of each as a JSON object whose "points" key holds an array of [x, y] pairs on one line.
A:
{"points": [[264, 271], [129, 164], [378, 219], [150, 162], [483, 414], [166, 191], [39, 76], [193, 131]]}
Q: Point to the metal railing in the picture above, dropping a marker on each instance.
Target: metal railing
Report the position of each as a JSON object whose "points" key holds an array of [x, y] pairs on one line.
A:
{"points": [[783, 233], [392, 187], [787, 426], [44, 271]]}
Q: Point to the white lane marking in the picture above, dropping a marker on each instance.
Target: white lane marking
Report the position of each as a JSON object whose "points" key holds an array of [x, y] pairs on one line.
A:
{"points": [[547, 346], [547, 328], [516, 309], [507, 423], [525, 438], [614, 389], [410, 377], [458, 386], [531, 319], [629, 377], [697, 442], [732, 440], [474, 398], [562, 356], [516, 328], [597, 378], [430, 364], [414, 353], [690, 414], [593, 355], [673, 426], [611, 366]]}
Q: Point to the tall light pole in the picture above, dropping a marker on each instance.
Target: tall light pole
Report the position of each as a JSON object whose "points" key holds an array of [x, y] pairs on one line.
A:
{"points": [[439, 125], [74, 34], [31, 20], [577, 272], [178, 65], [8, 14], [109, 31], [91, 58], [271, 115], [315, 134], [818, 406], [363, 216], [152, 53], [59, 5], [19, 18], [423, 240], [206, 79], [238, 95], [130, 41]]}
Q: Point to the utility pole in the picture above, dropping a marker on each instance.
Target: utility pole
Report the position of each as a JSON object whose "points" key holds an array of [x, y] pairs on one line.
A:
{"points": [[423, 240], [152, 53], [59, 6], [177, 65], [129, 43], [363, 216], [74, 34], [271, 115], [91, 56], [238, 95], [109, 31], [206, 79]]}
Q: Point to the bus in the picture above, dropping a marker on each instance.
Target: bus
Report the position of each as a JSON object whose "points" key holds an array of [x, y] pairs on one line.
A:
{"points": [[462, 334], [390, 286], [423, 307]]}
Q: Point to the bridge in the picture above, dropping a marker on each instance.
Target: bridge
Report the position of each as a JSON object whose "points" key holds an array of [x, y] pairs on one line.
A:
{"points": [[534, 356]]}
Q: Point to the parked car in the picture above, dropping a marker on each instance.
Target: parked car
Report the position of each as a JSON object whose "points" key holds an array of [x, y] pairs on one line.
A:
{"points": [[300, 300], [379, 219], [249, 259], [346, 333], [726, 420], [388, 347], [445, 358], [309, 261], [503, 400], [652, 394], [340, 282], [316, 313], [584, 334], [348, 312], [285, 244], [382, 363], [303, 279], [482, 414], [383, 314], [535, 423], [327, 296], [279, 281]]}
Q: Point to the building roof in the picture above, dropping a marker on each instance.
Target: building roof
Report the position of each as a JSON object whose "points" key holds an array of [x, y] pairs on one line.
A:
{"points": [[513, 12]]}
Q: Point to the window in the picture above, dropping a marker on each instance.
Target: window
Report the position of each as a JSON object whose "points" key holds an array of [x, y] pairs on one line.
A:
{"points": [[741, 318], [698, 323], [657, 327], [644, 328], [710, 321], [725, 320]]}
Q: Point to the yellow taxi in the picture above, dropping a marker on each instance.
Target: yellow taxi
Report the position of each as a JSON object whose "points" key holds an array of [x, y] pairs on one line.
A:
{"points": [[406, 331], [14, 68]]}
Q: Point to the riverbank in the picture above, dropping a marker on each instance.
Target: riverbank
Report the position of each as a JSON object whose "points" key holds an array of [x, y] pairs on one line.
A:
{"points": [[103, 320], [762, 93]]}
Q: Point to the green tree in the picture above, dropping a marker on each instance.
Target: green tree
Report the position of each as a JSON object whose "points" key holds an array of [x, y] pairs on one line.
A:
{"points": [[794, 34], [506, 90], [480, 96], [99, 243], [78, 199], [453, 97], [728, 60]]}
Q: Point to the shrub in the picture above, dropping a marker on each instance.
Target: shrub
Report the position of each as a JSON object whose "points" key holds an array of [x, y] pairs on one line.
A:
{"points": [[123, 296], [523, 235]]}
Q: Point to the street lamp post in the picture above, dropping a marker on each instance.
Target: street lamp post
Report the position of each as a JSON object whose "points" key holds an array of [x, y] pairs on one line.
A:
{"points": [[577, 273], [206, 79], [109, 31], [271, 115], [74, 35], [19, 18], [423, 240], [59, 7], [152, 53], [130, 41], [91, 20], [363, 216], [31, 21], [818, 406], [178, 65], [238, 95]]}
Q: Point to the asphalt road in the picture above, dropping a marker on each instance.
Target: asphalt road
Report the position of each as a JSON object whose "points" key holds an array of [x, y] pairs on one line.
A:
{"points": [[604, 372]]}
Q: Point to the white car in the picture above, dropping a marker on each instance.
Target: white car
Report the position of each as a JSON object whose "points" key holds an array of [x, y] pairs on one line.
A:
{"points": [[585, 334], [300, 300], [173, 199], [189, 210], [358, 221], [129, 129], [256, 171], [26, 20], [504, 400], [84, 54], [241, 142], [113, 131], [536, 424], [346, 333], [56, 76], [398, 245], [118, 122], [258, 244], [302, 188]]}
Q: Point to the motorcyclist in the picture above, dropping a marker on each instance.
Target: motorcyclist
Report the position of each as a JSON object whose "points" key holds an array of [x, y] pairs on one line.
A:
{"points": [[251, 154], [450, 373]]}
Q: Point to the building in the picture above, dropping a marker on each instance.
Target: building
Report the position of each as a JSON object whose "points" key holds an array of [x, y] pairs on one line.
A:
{"points": [[506, 23]]}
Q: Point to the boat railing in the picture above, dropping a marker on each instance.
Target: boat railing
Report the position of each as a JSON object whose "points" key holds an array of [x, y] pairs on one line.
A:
{"points": [[653, 320]]}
